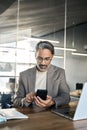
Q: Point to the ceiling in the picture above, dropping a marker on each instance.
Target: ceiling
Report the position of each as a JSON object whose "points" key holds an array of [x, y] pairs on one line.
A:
{"points": [[43, 17]]}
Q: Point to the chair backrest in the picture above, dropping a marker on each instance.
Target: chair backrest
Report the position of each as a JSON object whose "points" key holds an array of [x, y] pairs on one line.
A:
{"points": [[6, 101], [79, 86]]}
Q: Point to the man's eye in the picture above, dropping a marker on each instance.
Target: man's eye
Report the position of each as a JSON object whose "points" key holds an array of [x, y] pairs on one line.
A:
{"points": [[40, 58], [47, 59]]}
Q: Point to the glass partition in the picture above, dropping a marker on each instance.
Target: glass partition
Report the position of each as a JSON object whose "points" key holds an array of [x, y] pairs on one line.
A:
{"points": [[23, 23], [76, 35], [8, 34]]}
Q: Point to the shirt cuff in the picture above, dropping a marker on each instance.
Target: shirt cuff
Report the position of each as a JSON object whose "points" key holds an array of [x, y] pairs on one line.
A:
{"points": [[24, 103]]}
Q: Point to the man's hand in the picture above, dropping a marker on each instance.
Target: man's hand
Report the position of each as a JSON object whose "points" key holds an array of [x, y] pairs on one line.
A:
{"points": [[30, 97], [44, 103]]}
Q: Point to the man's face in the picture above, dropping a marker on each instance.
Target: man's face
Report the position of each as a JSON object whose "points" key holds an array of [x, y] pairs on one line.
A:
{"points": [[43, 58]]}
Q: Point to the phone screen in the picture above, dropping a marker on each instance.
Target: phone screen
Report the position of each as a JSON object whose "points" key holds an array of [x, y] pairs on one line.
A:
{"points": [[42, 94]]}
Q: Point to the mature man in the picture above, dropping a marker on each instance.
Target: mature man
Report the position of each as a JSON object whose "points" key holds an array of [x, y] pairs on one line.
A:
{"points": [[43, 76]]}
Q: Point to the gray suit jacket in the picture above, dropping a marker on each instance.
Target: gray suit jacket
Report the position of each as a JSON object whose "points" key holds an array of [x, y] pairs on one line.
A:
{"points": [[56, 85]]}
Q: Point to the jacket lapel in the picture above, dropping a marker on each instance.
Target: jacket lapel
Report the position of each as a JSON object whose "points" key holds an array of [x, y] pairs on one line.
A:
{"points": [[49, 80], [32, 79]]}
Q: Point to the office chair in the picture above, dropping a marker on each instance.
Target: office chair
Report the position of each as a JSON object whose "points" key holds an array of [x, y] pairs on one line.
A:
{"points": [[79, 86], [6, 101]]}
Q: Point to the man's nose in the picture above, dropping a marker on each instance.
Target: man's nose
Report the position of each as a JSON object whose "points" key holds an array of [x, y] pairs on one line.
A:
{"points": [[43, 61]]}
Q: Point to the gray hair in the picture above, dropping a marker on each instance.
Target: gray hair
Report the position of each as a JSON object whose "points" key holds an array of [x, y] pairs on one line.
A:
{"points": [[45, 45]]}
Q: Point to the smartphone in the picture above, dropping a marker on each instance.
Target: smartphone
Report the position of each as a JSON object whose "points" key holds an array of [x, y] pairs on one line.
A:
{"points": [[42, 93]]}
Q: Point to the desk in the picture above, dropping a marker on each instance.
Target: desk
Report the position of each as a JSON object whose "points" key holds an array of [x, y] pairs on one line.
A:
{"points": [[45, 120]]}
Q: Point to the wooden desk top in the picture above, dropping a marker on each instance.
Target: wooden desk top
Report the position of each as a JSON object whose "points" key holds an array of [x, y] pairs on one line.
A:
{"points": [[43, 120]]}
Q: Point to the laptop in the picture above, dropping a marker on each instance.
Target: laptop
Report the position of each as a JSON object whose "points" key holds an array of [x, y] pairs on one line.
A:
{"points": [[75, 113]]}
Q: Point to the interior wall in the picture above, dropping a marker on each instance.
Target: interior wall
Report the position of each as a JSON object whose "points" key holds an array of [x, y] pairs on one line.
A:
{"points": [[76, 38], [75, 66]]}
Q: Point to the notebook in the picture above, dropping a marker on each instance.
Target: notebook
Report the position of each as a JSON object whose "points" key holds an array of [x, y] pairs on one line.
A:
{"points": [[12, 113], [75, 113]]}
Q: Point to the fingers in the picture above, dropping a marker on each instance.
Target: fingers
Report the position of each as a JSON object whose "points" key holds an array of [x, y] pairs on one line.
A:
{"points": [[43, 103], [39, 102], [30, 97]]}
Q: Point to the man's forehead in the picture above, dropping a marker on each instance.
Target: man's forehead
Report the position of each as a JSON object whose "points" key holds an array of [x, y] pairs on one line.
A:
{"points": [[43, 51]]}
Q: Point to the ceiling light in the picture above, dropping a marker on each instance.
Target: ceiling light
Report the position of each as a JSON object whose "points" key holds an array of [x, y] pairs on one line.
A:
{"points": [[79, 54], [58, 57], [38, 39], [67, 49]]}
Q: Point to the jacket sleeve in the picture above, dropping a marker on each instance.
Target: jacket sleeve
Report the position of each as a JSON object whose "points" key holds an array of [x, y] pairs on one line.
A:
{"points": [[63, 96], [19, 100]]}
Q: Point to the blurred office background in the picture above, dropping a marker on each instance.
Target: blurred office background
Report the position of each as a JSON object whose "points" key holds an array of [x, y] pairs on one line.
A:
{"points": [[25, 22]]}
